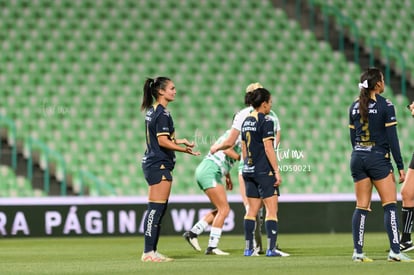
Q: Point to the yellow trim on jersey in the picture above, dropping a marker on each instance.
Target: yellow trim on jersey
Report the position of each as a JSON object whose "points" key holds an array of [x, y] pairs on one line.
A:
{"points": [[255, 114], [268, 138], [351, 126], [390, 124], [163, 134]]}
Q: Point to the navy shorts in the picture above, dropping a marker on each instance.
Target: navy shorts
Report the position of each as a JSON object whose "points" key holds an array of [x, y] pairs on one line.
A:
{"points": [[260, 186], [412, 162], [373, 165], [154, 175]]}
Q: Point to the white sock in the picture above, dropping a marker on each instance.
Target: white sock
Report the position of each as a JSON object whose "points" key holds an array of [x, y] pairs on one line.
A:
{"points": [[199, 227], [215, 235]]}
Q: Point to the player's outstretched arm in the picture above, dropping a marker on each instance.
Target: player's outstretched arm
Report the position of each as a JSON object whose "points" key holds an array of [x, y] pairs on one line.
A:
{"points": [[185, 142], [165, 142], [227, 143]]}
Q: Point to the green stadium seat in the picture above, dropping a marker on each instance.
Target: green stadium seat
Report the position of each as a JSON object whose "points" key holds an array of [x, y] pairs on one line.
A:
{"points": [[74, 79]]}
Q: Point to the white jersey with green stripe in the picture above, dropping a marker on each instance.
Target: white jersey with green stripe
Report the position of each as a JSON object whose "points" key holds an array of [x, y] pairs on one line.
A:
{"points": [[242, 114], [221, 159], [275, 119]]}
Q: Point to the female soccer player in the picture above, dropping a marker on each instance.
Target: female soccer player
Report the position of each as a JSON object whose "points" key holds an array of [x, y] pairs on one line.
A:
{"points": [[373, 135], [159, 159], [209, 174], [260, 172], [407, 194], [230, 141]]}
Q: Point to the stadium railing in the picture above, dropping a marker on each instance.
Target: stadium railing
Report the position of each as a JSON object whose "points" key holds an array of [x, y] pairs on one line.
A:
{"points": [[45, 154], [388, 52], [11, 138]]}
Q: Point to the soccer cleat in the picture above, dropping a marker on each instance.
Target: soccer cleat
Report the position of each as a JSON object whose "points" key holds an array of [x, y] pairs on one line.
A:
{"points": [[276, 253], [360, 257], [155, 257], [165, 258], [192, 240], [251, 252], [215, 251], [406, 246], [258, 251], [400, 257]]}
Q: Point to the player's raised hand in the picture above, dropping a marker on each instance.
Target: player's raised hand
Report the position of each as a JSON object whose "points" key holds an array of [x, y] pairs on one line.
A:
{"points": [[189, 150], [214, 148], [185, 142]]}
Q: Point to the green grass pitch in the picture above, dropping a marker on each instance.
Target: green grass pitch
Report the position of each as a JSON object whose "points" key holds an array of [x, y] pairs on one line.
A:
{"points": [[310, 254]]}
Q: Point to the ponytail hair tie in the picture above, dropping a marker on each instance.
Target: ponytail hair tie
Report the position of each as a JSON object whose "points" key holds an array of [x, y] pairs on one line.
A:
{"points": [[363, 84], [152, 82]]}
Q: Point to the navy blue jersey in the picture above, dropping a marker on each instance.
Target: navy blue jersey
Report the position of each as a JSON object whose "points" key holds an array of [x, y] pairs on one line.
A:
{"points": [[256, 128], [379, 133], [158, 122]]}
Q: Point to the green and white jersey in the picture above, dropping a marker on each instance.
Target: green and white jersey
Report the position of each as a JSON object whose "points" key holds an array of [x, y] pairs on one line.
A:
{"points": [[242, 114], [222, 160], [276, 122], [240, 117]]}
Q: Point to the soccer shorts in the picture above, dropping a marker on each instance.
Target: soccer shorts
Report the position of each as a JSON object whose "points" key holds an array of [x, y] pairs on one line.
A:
{"points": [[208, 174], [373, 165], [154, 175], [260, 186]]}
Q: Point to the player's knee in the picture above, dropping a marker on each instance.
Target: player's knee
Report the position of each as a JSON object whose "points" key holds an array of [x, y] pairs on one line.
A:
{"points": [[407, 194], [224, 210]]}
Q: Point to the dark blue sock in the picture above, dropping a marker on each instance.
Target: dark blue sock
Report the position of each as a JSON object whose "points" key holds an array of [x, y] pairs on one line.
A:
{"points": [[159, 226], [358, 228], [391, 225], [151, 225], [249, 226], [271, 230]]}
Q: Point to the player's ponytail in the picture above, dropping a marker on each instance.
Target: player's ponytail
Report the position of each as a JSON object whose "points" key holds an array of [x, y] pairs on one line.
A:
{"points": [[259, 96], [368, 81], [247, 99], [151, 88]]}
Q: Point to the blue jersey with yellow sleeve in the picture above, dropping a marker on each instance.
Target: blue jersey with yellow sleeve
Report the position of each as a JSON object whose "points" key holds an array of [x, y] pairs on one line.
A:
{"points": [[256, 128], [379, 133], [158, 122]]}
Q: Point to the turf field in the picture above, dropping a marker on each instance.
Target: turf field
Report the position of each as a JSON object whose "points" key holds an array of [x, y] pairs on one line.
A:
{"points": [[311, 254]]}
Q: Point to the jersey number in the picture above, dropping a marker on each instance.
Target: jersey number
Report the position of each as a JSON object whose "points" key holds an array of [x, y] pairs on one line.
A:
{"points": [[365, 129], [249, 154]]}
